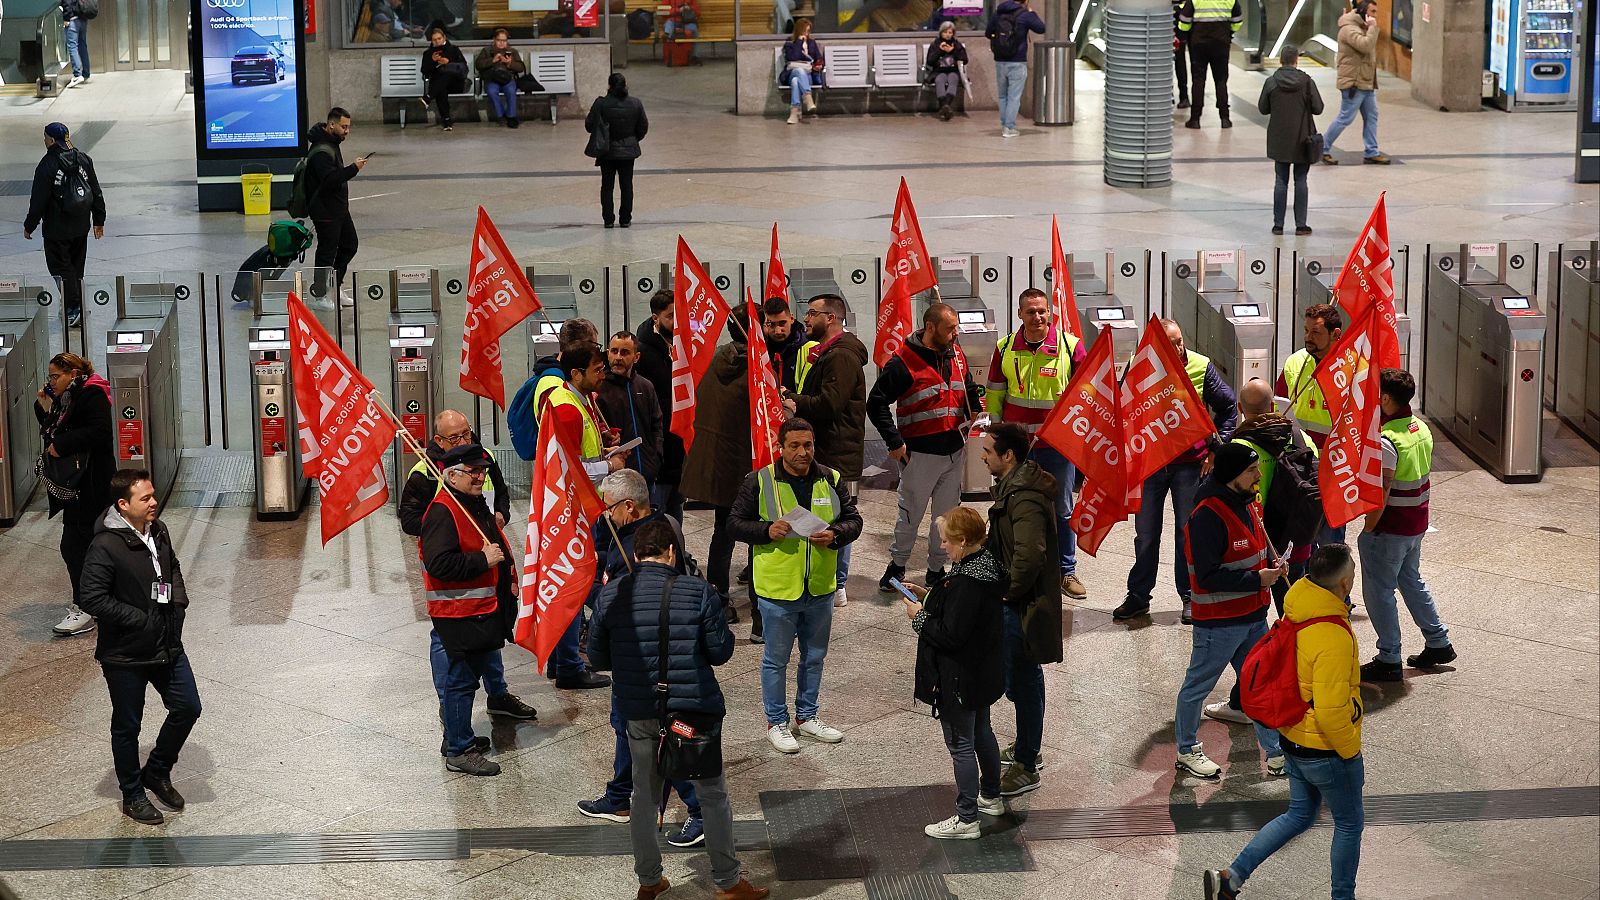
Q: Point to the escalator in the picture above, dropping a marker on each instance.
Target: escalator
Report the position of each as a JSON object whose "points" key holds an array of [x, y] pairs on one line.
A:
{"points": [[33, 51], [1268, 25]]}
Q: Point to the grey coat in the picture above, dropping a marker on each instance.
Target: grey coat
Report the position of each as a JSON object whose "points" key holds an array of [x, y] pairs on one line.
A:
{"points": [[1290, 101]]}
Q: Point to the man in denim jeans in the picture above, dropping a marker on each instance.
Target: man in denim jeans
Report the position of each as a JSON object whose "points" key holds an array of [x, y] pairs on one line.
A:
{"points": [[1357, 83], [1008, 40], [75, 28]]}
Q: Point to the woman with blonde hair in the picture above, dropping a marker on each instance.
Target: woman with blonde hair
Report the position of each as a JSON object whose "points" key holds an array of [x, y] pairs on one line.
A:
{"points": [[74, 412]]}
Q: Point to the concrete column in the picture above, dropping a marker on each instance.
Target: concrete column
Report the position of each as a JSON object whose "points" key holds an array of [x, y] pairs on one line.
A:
{"points": [[1447, 54]]}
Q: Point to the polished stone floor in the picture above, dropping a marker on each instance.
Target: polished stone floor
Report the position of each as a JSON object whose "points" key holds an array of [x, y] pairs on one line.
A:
{"points": [[319, 713]]}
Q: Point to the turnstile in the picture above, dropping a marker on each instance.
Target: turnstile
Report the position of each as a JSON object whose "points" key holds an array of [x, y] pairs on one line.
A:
{"points": [[978, 286], [1094, 286], [142, 366], [1576, 309], [1483, 359], [24, 336], [417, 374], [1211, 300], [1314, 278], [281, 483]]}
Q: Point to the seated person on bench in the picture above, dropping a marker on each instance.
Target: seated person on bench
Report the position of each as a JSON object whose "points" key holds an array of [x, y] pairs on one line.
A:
{"points": [[500, 65], [445, 70]]}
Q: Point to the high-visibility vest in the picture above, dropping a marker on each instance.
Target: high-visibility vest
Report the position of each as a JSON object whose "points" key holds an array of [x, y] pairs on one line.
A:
{"points": [[460, 599], [931, 405], [1247, 551], [488, 483], [1310, 407], [1030, 381], [1211, 11], [803, 363], [1195, 366], [1408, 492], [784, 569], [561, 393]]}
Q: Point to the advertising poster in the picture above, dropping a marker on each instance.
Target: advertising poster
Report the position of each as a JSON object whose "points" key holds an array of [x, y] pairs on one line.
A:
{"points": [[249, 53]]}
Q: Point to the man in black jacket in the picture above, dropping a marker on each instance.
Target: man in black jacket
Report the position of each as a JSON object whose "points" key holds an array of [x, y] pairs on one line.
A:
{"points": [[628, 401], [133, 585], [67, 199], [328, 196], [784, 339], [655, 364]]}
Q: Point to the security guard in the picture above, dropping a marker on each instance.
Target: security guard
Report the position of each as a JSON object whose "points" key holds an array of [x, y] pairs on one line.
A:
{"points": [[1210, 25], [1027, 375]]}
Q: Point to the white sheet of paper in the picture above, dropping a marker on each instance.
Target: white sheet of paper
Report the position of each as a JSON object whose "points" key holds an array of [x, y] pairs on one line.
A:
{"points": [[804, 522]]}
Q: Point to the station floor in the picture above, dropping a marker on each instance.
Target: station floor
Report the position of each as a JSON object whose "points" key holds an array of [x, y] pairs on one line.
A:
{"points": [[312, 772]]}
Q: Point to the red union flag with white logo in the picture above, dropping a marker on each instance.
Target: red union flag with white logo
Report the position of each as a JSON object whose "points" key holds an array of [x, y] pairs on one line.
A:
{"points": [[344, 430], [1063, 301], [777, 279], [699, 312], [498, 298], [558, 564], [1163, 415], [1367, 280], [585, 13], [1086, 427], [766, 405], [1350, 468], [909, 273]]}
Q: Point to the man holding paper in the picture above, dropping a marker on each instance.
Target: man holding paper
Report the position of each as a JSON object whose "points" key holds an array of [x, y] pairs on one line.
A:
{"points": [[796, 517]]}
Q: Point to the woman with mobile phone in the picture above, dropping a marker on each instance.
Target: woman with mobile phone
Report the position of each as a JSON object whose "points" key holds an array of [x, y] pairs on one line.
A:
{"points": [[74, 413]]}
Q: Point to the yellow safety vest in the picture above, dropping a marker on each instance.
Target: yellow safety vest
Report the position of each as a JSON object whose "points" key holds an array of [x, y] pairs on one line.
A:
{"points": [[1310, 407], [784, 569], [1029, 381], [488, 483], [559, 392]]}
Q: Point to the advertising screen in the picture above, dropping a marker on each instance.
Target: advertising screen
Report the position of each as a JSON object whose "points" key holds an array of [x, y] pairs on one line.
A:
{"points": [[247, 89]]}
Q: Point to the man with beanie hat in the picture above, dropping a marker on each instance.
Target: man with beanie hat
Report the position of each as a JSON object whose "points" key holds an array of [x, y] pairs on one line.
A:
{"points": [[1231, 569], [67, 199]]}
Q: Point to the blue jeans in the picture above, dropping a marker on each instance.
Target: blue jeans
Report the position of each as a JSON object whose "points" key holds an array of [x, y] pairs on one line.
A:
{"points": [[1009, 80], [1063, 472], [502, 99], [126, 685], [1025, 690], [1180, 480], [807, 620], [76, 33], [1311, 782], [1280, 192], [464, 672], [1327, 535], [799, 83], [1390, 561], [1352, 100], [1215, 648], [620, 788], [565, 656], [975, 754], [668, 499], [494, 672], [670, 28]]}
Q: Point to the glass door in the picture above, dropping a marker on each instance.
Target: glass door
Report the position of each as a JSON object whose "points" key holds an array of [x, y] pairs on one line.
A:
{"points": [[149, 34]]}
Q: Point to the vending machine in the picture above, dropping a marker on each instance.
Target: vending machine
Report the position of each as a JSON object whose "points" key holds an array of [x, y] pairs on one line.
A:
{"points": [[1533, 54]]}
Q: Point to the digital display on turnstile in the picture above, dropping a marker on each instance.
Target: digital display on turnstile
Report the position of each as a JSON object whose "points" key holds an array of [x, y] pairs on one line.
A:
{"points": [[1514, 302], [129, 337], [272, 334], [413, 331], [1246, 309], [1108, 314], [973, 317]]}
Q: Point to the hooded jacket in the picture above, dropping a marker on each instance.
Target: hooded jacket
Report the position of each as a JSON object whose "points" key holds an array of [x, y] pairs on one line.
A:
{"points": [[327, 177], [444, 560], [625, 639], [960, 662], [1328, 664], [720, 456], [421, 486], [1358, 54], [1027, 20], [1022, 534], [1290, 100], [115, 587], [59, 225], [834, 401], [629, 404], [1208, 543], [782, 355], [893, 382], [85, 428], [655, 364]]}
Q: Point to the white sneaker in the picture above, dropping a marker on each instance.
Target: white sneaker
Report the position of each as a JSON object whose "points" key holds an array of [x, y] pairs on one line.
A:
{"points": [[991, 806], [839, 599], [76, 622], [816, 729], [780, 738], [953, 829], [1222, 712], [76, 80], [1196, 763], [1009, 132], [1276, 766]]}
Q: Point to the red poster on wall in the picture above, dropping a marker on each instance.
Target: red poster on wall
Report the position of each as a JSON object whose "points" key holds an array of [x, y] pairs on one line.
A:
{"points": [[417, 425], [273, 436], [586, 13], [130, 439]]}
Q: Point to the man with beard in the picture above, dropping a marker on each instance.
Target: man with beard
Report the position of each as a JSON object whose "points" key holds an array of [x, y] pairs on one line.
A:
{"points": [[655, 364], [784, 340], [1298, 389], [628, 401]]}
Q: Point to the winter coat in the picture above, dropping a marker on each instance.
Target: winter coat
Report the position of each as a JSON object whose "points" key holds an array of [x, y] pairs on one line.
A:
{"points": [[626, 641], [1358, 54], [327, 177], [959, 657], [614, 560], [59, 225], [630, 405], [498, 72], [945, 61], [894, 380], [453, 69], [747, 526], [1207, 541], [782, 355], [655, 365], [1027, 20], [806, 50], [443, 558], [720, 456], [421, 486], [118, 575], [79, 421], [834, 401], [1328, 663], [1022, 535], [1290, 100], [628, 124]]}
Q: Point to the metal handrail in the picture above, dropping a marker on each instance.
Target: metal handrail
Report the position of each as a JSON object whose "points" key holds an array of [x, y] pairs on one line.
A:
{"points": [[48, 34]]}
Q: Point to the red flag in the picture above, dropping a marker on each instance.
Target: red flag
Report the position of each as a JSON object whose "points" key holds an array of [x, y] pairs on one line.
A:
{"points": [[1086, 427], [1062, 299], [1367, 279], [343, 427], [909, 273], [766, 405], [498, 298], [777, 278], [558, 571], [1350, 468], [1163, 414], [700, 312]]}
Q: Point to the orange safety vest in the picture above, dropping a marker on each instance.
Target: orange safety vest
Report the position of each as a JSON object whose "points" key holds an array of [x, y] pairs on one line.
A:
{"points": [[931, 405], [461, 599], [1247, 551]]}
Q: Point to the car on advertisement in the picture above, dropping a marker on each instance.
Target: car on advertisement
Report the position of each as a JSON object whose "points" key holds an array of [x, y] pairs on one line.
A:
{"points": [[258, 62]]}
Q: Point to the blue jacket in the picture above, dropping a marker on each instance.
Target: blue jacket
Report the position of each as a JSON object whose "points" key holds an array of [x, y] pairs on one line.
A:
{"points": [[1027, 20], [802, 51], [624, 638]]}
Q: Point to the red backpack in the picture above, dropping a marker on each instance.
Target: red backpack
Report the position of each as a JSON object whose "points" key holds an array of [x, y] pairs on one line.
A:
{"points": [[1269, 684]]}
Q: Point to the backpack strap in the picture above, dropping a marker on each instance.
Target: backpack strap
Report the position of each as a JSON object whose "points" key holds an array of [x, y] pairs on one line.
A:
{"points": [[661, 660]]}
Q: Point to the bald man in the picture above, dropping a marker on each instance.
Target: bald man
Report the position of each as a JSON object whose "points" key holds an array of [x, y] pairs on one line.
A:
{"points": [[450, 430]]}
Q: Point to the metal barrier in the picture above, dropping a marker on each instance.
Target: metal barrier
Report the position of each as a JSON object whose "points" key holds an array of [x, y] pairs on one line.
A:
{"points": [[1574, 302], [1225, 302], [24, 351], [1314, 277], [411, 342], [141, 352]]}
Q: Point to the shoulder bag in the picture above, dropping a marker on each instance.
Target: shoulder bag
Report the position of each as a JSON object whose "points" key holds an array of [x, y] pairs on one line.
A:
{"points": [[61, 474], [690, 743], [600, 138]]}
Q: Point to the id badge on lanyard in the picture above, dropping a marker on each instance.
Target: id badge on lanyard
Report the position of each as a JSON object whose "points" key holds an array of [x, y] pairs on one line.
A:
{"points": [[161, 592]]}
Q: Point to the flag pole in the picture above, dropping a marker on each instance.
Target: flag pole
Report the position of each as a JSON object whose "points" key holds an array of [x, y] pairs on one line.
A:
{"points": [[422, 453]]}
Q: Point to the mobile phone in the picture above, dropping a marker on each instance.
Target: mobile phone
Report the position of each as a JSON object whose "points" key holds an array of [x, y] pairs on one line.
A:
{"points": [[897, 585], [370, 155]]}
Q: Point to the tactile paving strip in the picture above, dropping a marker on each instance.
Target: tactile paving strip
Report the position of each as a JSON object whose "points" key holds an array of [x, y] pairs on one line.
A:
{"points": [[922, 886], [214, 481]]}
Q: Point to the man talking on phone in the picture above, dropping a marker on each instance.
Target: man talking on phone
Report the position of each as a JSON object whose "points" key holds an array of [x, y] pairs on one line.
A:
{"points": [[328, 197]]}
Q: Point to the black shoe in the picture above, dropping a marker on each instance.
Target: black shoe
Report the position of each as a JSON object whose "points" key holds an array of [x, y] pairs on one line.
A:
{"points": [[550, 672], [1183, 101], [756, 638], [161, 786], [140, 810], [744, 575], [1277, 229], [1192, 123], [479, 743], [583, 681], [611, 225], [1187, 616], [626, 224], [897, 572], [1131, 609], [1302, 230], [729, 613], [512, 708], [1432, 656], [1227, 122], [1217, 886], [513, 123], [1381, 671], [934, 576]]}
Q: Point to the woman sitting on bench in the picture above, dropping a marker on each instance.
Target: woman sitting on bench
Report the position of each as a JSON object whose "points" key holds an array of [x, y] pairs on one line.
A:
{"points": [[804, 63], [499, 65], [446, 72]]}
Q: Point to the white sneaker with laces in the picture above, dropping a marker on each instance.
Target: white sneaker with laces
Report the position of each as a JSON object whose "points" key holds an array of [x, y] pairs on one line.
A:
{"points": [[839, 599], [1196, 763], [76, 622], [76, 80], [816, 729], [1222, 712], [1277, 766], [991, 806], [780, 738], [953, 829], [1009, 132]]}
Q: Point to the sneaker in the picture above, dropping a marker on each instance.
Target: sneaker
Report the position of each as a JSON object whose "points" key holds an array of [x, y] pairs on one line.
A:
{"points": [[479, 743], [1016, 780], [840, 601], [1196, 763], [1187, 616], [1008, 756], [1376, 671], [991, 806], [1277, 766], [582, 681], [509, 706], [1432, 656], [756, 638], [896, 572], [1328, 160], [1009, 132], [652, 891], [1222, 712], [161, 786], [781, 739], [693, 832], [77, 80], [1379, 160], [604, 808], [76, 622], [1072, 587], [142, 811], [744, 890], [953, 829], [513, 123], [74, 317], [1219, 886], [933, 576], [472, 763], [1131, 609], [817, 730], [1302, 230]]}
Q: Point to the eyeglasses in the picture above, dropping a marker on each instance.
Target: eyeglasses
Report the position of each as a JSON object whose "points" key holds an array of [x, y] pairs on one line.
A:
{"points": [[474, 474], [460, 437], [817, 312]]}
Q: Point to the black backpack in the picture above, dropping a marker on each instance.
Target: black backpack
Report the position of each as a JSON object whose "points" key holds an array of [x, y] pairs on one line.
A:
{"points": [[641, 24], [88, 9], [74, 196], [1005, 38], [1293, 507], [300, 196]]}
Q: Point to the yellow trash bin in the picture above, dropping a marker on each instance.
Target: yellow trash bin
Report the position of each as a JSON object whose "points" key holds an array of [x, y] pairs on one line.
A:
{"points": [[257, 193]]}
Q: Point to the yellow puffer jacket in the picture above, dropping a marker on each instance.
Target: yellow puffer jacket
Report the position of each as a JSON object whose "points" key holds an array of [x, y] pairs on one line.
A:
{"points": [[1329, 665]]}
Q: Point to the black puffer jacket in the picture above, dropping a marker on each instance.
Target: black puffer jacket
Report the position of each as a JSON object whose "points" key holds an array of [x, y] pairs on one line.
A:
{"points": [[834, 401], [115, 588], [444, 559], [327, 177], [85, 427], [626, 640], [959, 658], [655, 364], [627, 121]]}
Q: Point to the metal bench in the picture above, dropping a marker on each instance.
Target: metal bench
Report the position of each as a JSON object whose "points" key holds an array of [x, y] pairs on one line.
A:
{"points": [[553, 69], [844, 68], [400, 78]]}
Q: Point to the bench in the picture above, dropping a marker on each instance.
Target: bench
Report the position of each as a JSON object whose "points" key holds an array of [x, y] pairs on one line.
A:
{"points": [[553, 69], [400, 78], [843, 68]]}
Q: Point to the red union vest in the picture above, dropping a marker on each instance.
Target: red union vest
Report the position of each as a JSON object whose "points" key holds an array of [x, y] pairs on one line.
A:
{"points": [[931, 405], [460, 599], [1247, 551]]}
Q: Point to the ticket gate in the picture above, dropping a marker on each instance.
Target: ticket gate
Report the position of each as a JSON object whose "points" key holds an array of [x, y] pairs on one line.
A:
{"points": [[976, 285], [1314, 278], [641, 280], [1483, 359], [142, 366], [24, 352], [417, 384], [1099, 306], [1576, 308], [1221, 317], [281, 483]]}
